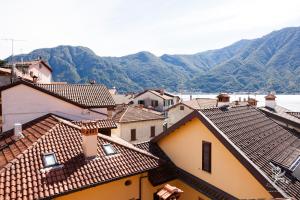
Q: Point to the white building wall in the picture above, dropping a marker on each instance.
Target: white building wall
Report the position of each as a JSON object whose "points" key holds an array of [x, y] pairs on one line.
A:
{"points": [[175, 114], [143, 130], [148, 97], [22, 104], [44, 74]]}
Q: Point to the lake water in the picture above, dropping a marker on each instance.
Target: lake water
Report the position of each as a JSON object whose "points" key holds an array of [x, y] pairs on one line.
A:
{"points": [[291, 102]]}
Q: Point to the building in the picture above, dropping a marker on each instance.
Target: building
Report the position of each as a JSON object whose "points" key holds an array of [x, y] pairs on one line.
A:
{"points": [[230, 153], [182, 109], [23, 101], [137, 124], [281, 115], [53, 158], [37, 71], [156, 99]]}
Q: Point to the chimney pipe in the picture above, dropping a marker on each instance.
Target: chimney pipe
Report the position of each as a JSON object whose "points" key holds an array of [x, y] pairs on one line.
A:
{"points": [[17, 131], [89, 140], [270, 101], [223, 99]]}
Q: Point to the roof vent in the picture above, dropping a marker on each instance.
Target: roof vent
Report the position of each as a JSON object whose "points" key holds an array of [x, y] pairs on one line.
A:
{"points": [[17, 131]]}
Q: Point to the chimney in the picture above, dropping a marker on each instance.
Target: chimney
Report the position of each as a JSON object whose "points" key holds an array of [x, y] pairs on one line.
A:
{"points": [[92, 82], [17, 131], [89, 139], [34, 79], [252, 102], [162, 91], [223, 99], [270, 101]]}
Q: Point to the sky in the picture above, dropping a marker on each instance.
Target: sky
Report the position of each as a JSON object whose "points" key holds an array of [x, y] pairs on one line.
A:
{"points": [[119, 27]]}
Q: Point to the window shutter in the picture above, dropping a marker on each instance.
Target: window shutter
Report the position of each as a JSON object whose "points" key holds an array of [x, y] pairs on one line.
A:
{"points": [[152, 131], [133, 134], [206, 156]]}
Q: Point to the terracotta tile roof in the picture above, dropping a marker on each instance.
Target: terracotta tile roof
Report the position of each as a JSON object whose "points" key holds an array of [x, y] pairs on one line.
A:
{"points": [[33, 62], [200, 103], [165, 95], [122, 98], [32, 131], [167, 191], [133, 114], [82, 95], [102, 124], [261, 139], [90, 95], [25, 177]]}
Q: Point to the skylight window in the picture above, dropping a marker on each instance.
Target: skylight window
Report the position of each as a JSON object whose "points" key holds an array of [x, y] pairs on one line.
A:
{"points": [[49, 160], [109, 149]]}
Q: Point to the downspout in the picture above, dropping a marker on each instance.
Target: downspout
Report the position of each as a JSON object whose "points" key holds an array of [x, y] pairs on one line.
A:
{"points": [[140, 186]]}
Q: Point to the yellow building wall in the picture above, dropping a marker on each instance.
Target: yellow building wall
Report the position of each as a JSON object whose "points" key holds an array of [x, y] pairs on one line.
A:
{"points": [[117, 190], [184, 147]]}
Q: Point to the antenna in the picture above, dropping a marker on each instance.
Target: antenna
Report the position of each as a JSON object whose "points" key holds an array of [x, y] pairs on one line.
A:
{"points": [[12, 40]]}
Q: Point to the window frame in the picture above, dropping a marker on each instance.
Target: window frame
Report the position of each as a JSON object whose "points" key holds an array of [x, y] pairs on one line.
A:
{"points": [[106, 152], [152, 131], [44, 155], [181, 107], [133, 132], [206, 166]]}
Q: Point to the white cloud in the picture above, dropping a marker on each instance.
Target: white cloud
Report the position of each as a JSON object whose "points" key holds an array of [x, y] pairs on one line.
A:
{"points": [[116, 28]]}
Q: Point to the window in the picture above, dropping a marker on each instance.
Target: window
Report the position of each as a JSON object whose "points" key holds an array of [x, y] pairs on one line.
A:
{"points": [[206, 156], [152, 130], [133, 135], [181, 107], [141, 102], [49, 160], [109, 149], [154, 103]]}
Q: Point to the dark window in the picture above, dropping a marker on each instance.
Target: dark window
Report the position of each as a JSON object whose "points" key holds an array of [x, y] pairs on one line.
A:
{"points": [[152, 131], [109, 149], [133, 135], [142, 102], [128, 182], [154, 103], [206, 156], [49, 160], [181, 107]]}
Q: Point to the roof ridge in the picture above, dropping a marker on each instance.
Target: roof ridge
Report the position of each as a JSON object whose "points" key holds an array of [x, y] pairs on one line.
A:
{"points": [[126, 109], [127, 145]]}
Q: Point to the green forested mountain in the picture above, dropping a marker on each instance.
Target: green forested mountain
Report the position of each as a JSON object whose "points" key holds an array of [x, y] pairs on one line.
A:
{"points": [[268, 63]]}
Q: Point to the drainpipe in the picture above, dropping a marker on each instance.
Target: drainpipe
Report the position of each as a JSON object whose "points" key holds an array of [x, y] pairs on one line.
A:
{"points": [[140, 186]]}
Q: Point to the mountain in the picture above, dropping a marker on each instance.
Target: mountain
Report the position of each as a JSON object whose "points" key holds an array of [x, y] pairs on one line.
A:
{"points": [[269, 63]]}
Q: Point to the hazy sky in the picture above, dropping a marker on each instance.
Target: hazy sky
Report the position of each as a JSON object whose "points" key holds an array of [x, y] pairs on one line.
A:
{"points": [[121, 27]]}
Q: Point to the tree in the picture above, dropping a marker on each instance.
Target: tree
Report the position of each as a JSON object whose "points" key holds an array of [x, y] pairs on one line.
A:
{"points": [[2, 63]]}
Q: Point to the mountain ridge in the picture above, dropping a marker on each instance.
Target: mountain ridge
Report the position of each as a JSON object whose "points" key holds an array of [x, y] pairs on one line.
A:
{"points": [[268, 63]]}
